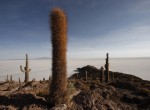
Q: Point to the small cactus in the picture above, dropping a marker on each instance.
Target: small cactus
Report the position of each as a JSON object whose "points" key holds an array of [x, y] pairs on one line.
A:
{"points": [[33, 80], [107, 68], [49, 78], [19, 80], [101, 74], [86, 76], [26, 70], [11, 78], [7, 79]]}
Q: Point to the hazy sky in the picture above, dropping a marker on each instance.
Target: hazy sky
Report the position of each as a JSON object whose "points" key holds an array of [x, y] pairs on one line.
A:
{"points": [[95, 27]]}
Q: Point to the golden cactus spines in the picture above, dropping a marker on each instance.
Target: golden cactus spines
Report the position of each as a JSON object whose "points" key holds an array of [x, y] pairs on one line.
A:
{"points": [[58, 27]]}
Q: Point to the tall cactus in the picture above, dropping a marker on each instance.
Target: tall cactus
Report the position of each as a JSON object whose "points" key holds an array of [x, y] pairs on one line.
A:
{"points": [[26, 70], [58, 25], [101, 74], [107, 68]]}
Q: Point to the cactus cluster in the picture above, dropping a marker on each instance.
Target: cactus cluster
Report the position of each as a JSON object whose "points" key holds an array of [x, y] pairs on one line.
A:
{"points": [[26, 70], [58, 27], [9, 80], [107, 68]]}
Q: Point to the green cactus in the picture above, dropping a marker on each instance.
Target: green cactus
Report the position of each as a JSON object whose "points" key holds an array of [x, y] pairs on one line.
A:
{"points": [[26, 70], [101, 74], [58, 24], [107, 68]]}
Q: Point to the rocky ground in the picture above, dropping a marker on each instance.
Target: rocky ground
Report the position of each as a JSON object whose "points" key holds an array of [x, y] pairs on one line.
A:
{"points": [[124, 92]]}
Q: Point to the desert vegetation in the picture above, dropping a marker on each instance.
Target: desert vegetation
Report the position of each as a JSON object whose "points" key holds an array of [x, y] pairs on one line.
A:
{"points": [[89, 88], [84, 92]]}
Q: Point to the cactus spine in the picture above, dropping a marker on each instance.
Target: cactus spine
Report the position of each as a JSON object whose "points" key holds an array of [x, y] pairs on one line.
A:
{"points": [[107, 68], [26, 70], [58, 24], [101, 74]]}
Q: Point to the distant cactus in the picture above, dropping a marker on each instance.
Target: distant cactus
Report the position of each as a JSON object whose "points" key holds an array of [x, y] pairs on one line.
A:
{"points": [[86, 76], [26, 70], [107, 68], [49, 78], [7, 80], [19, 80], [58, 24], [33, 80], [11, 78], [101, 74]]}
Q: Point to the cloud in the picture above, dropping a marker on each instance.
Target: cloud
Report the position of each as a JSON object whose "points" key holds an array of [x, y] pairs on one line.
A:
{"points": [[132, 41], [124, 36], [131, 34]]}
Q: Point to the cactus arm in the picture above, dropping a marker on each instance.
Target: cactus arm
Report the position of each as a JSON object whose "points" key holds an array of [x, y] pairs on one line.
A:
{"points": [[21, 69]]}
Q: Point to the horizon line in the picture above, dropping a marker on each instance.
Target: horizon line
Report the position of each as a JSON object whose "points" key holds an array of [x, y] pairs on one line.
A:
{"points": [[45, 58]]}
